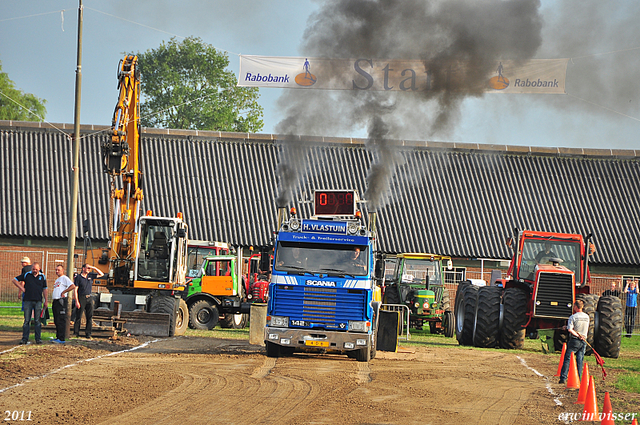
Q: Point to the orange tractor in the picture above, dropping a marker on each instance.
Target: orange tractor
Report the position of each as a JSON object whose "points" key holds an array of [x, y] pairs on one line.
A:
{"points": [[548, 272]]}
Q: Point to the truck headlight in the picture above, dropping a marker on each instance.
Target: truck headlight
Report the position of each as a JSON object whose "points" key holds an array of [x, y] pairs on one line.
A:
{"points": [[294, 224], [358, 326], [352, 228], [279, 321]]}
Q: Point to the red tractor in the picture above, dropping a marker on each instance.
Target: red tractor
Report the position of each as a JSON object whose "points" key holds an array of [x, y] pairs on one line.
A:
{"points": [[548, 272], [257, 279]]}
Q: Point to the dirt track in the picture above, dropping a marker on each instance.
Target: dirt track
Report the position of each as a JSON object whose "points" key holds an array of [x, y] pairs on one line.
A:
{"points": [[207, 380]]}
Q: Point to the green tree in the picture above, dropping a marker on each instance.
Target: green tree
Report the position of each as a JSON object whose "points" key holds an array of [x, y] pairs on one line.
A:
{"points": [[16, 105], [185, 85]]}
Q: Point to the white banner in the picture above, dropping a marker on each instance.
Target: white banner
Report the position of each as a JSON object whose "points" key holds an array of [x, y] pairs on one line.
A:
{"points": [[533, 76]]}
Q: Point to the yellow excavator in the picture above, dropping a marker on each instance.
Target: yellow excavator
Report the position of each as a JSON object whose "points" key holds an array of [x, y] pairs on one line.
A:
{"points": [[147, 255]]}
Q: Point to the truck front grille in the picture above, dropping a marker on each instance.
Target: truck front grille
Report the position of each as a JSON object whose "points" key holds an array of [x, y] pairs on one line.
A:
{"points": [[554, 296]]}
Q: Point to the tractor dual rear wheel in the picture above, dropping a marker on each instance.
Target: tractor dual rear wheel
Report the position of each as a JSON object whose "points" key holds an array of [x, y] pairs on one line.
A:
{"points": [[590, 304], [608, 335], [487, 317], [465, 312], [514, 317]]}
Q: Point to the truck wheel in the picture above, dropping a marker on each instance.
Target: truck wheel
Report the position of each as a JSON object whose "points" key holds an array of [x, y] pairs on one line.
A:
{"points": [[590, 304], [182, 318], [609, 333], [168, 305], [448, 323], [465, 313], [487, 317], [273, 350], [514, 317], [203, 315], [234, 321]]}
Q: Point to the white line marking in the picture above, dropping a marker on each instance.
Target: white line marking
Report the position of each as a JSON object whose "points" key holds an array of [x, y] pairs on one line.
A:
{"points": [[548, 382], [34, 378]]}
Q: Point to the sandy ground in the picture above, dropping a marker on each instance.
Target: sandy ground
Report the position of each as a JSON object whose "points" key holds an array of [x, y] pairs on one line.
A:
{"points": [[210, 381]]}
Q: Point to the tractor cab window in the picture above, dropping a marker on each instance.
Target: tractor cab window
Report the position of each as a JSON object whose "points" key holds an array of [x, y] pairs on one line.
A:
{"points": [[218, 268], [197, 254], [419, 272], [546, 251], [156, 243]]}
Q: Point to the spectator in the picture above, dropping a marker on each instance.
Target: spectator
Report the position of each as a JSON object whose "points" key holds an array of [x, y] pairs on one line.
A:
{"points": [[632, 306], [34, 286], [82, 292], [59, 302], [613, 291]]}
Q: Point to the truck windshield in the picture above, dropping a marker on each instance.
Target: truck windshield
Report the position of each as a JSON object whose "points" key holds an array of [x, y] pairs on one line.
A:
{"points": [[415, 271], [322, 258], [154, 261], [541, 251]]}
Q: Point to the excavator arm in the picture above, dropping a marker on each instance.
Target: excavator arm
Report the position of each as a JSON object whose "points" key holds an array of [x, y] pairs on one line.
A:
{"points": [[121, 161]]}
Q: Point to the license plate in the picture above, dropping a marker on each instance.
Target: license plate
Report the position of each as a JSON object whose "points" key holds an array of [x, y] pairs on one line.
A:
{"points": [[317, 343], [300, 323]]}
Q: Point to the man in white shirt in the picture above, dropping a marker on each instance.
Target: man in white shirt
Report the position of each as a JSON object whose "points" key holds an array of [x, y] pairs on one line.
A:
{"points": [[59, 301], [578, 327]]}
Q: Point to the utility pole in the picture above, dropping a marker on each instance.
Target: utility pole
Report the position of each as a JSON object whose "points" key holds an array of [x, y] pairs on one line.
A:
{"points": [[75, 171]]}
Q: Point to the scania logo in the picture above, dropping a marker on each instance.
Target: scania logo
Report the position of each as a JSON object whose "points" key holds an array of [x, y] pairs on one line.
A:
{"points": [[306, 78], [320, 283]]}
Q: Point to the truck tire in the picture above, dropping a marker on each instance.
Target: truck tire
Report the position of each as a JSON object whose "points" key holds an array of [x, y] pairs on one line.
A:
{"points": [[487, 317], [590, 305], [168, 305], [465, 313], [234, 321], [203, 315], [448, 323], [182, 318], [273, 350], [608, 336], [514, 317]]}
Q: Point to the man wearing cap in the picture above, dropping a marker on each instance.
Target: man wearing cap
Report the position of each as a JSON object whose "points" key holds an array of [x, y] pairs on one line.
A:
{"points": [[26, 267], [34, 286]]}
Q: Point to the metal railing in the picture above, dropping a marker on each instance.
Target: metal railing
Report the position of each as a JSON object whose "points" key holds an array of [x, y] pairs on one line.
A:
{"points": [[404, 318]]}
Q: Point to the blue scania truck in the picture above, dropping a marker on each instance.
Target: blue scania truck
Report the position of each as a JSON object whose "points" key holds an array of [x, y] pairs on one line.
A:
{"points": [[323, 295]]}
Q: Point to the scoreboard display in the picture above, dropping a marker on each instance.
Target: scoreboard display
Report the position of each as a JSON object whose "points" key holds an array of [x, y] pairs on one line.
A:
{"points": [[334, 202]]}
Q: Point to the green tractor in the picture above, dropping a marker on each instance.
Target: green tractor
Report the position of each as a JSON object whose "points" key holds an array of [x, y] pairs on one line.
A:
{"points": [[418, 283]]}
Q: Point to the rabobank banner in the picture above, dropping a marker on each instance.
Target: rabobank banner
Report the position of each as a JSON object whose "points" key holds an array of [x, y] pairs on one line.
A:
{"points": [[533, 76]]}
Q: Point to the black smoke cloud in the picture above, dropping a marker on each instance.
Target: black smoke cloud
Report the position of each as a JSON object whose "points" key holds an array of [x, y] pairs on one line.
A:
{"points": [[459, 43]]}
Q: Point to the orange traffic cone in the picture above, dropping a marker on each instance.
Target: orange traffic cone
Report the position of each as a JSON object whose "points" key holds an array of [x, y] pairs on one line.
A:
{"points": [[564, 349], [634, 422], [607, 410], [584, 385], [590, 411], [573, 380]]}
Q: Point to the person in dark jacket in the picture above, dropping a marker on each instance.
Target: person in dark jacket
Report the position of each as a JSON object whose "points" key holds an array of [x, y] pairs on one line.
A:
{"points": [[34, 286], [82, 292]]}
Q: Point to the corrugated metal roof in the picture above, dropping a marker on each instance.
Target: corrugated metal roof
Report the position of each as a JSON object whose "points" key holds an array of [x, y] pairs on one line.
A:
{"points": [[459, 200]]}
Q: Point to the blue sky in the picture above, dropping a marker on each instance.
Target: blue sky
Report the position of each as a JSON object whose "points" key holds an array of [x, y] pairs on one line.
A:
{"points": [[601, 109]]}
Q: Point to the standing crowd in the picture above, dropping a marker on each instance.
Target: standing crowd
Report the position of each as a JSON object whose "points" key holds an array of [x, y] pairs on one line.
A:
{"points": [[33, 291]]}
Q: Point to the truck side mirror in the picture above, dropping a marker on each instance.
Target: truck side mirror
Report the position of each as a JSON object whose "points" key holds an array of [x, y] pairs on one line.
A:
{"points": [[265, 261], [379, 269]]}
